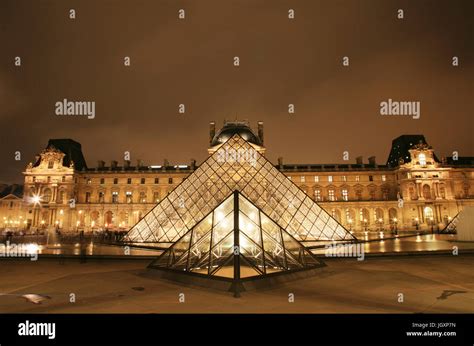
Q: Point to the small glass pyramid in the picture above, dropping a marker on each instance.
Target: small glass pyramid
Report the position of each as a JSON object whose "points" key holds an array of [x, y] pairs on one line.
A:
{"points": [[236, 241]]}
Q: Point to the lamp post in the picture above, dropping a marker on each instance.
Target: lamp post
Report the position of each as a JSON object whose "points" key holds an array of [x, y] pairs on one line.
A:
{"points": [[449, 220], [395, 224]]}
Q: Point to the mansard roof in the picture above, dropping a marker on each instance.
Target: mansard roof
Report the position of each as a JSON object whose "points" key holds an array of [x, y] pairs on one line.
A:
{"points": [[72, 151]]}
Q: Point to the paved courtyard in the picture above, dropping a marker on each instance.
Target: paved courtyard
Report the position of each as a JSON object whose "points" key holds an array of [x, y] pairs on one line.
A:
{"points": [[434, 283]]}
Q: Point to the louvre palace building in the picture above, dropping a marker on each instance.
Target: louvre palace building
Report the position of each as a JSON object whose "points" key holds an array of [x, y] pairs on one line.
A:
{"points": [[413, 190]]}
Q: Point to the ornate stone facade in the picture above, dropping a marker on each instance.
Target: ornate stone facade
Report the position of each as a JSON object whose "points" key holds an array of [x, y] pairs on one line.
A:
{"points": [[418, 193]]}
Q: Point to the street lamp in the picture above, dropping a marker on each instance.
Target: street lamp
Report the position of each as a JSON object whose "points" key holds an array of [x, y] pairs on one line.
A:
{"points": [[395, 228], [36, 199], [449, 220]]}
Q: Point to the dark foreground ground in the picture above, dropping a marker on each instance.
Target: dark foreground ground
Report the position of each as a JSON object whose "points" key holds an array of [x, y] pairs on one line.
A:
{"points": [[435, 283]]}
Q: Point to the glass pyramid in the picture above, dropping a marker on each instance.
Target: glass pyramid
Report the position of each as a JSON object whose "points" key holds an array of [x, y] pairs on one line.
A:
{"points": [[236, 241], [236, 166]]}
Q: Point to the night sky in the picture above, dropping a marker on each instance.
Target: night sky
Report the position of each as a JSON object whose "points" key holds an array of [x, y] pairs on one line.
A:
{"points": [[190, 61]]}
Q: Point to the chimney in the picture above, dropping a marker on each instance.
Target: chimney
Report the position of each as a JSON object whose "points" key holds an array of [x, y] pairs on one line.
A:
{"points": [[359, 160], [126, 163], [139, 163], [372, 161], [113, 164], [280, 162], [100, 164], [193, 164], [260, 130], [212, 131]]}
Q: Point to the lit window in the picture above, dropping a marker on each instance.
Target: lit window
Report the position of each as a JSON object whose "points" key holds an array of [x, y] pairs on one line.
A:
{"points": [[345, 195], [89, 181], [344, 178], [357, 178], [317, 195], [88, 197], [316, 179], [422, 159], [101, 197], [115, 197], [331, 195], [303, 179], [143, 197], [384, 178], [330, 178], [156, 196], [128, 195]]}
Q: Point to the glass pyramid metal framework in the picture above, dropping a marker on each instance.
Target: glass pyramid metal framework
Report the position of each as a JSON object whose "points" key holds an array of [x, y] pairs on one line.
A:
{"points": [[236, 227], [235, 166], [237, 243]]}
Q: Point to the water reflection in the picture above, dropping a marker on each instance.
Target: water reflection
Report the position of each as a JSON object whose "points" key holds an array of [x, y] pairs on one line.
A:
{"points": [[420, 242], [87, 249]]}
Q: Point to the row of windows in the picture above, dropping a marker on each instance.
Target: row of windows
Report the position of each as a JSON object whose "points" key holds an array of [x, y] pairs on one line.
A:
{"points": [[63, 179], [142, 197], [330, 178], [129, 180], [115, 181], [331, 195]]}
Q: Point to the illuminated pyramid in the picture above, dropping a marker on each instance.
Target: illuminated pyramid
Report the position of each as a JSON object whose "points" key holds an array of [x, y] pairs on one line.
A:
{"points": [[236, 243], [236, 165]]}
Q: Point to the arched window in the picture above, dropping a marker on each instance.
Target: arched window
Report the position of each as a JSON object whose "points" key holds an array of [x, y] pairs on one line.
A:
{"points": [[47, 195], [442, 191], [392, 214], [109, 219], [142, 197], [60, 198], [379, 215], [429, 215], [422, 159], [364, 216], [411, 192], [426, 191]]}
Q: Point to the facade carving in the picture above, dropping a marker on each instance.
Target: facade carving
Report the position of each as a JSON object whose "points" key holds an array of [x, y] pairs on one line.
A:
{"points": [[419, 193]]}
